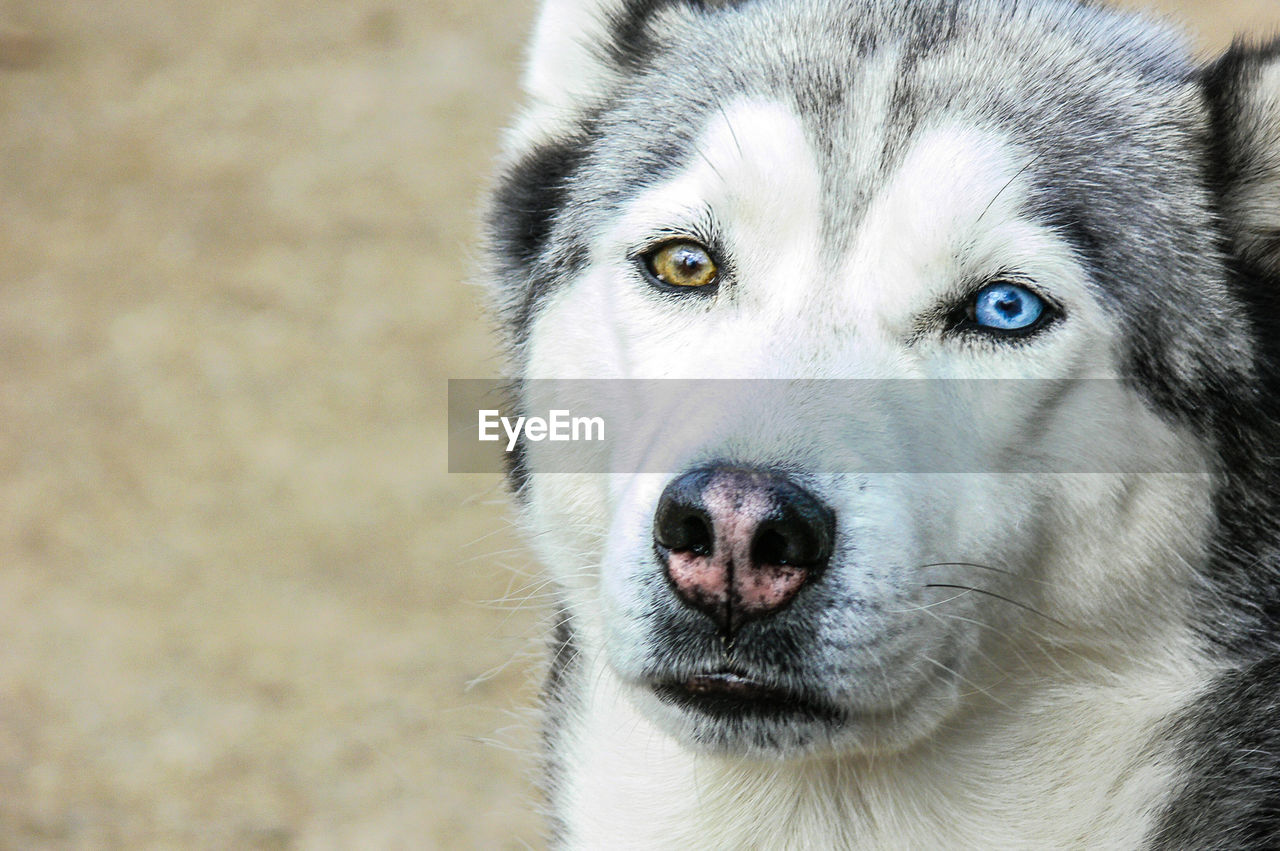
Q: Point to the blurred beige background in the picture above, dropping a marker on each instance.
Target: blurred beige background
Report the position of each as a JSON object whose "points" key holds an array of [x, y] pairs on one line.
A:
{"points": [[242, 604]]}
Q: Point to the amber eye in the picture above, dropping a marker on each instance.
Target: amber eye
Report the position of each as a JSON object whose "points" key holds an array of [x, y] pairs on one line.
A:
{"points": [[681, 264]]}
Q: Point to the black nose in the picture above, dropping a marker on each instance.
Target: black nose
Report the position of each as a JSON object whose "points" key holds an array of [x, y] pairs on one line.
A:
{"points": [[739, 544]]}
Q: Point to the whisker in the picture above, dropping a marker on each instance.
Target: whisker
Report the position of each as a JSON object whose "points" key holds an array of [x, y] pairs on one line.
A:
{"points": [[1020, 577], [1012, 642], [1020, 172], [966, 680], [924, 607], [495, 554], [994, 664], [1042, 642], [1011, 602], [706, 159], [732, 134], [484, 537]]}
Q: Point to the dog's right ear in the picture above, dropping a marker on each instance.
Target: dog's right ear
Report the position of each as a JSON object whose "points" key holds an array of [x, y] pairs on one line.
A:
{"points": [[582, 48], [1243, 92]]}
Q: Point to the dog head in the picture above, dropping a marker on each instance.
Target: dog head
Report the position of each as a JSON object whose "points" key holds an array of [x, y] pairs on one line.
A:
{"points": [[1039, 213]]}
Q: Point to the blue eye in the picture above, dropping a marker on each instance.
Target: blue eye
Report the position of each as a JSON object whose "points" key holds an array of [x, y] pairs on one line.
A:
{"points": [[1007, 307]]}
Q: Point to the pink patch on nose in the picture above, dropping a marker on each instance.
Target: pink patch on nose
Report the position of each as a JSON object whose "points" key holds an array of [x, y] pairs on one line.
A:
{"points": [[765, 587], [702, 579]]}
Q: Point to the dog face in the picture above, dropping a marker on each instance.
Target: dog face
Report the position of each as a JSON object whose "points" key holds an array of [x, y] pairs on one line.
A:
{"points": [[1003, 206]]}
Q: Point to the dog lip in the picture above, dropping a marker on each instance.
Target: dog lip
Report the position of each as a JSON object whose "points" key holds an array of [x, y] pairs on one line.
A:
{"points": [[729, 683], [728, 694]]}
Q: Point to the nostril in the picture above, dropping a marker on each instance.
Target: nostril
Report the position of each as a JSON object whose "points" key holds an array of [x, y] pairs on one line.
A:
{"points": [[682, 523], [770, 547], [695, 536], [796, 543], [684, 531]]}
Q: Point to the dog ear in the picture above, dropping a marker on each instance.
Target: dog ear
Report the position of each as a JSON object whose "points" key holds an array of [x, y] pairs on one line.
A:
{"points": [[1243, 91], [581, 48]]}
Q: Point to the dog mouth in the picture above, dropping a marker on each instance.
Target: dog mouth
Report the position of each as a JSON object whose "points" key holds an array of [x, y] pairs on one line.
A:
{"points": [[726, 695]]}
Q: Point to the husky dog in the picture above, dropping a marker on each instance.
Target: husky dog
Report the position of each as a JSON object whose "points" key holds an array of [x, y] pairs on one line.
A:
{"points": [[755, 648]]}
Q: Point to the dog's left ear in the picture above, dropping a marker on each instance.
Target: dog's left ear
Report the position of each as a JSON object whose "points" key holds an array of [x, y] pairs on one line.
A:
{"points": [[1243, 92]]}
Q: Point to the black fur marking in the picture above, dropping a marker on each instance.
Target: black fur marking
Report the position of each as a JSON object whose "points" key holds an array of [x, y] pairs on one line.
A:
{"points": [[1247, 572], [1248, 430], [1070, 219], [1235, 155], [516, 462], [1234, 751], [1225, 85], [631, 42], [557, 698], [522, 217], [528, 198]]}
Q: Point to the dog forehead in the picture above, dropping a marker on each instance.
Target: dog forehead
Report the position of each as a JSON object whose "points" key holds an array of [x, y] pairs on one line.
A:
{"points": [[757, 173], [865, 79], [1101, 103]]}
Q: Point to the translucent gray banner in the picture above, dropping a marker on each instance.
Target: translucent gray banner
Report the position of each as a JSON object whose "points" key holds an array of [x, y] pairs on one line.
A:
{"points": [[830, 426]]}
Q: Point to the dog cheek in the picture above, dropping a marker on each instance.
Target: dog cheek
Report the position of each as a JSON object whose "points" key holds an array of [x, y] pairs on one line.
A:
{"points": [[572, 509]]}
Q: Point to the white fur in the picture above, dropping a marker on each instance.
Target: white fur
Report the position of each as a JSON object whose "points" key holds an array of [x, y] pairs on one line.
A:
{"points": [[1071, 767]]}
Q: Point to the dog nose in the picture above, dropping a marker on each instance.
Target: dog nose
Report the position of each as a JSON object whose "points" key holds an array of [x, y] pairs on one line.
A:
{"points": [[738, 544]]}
